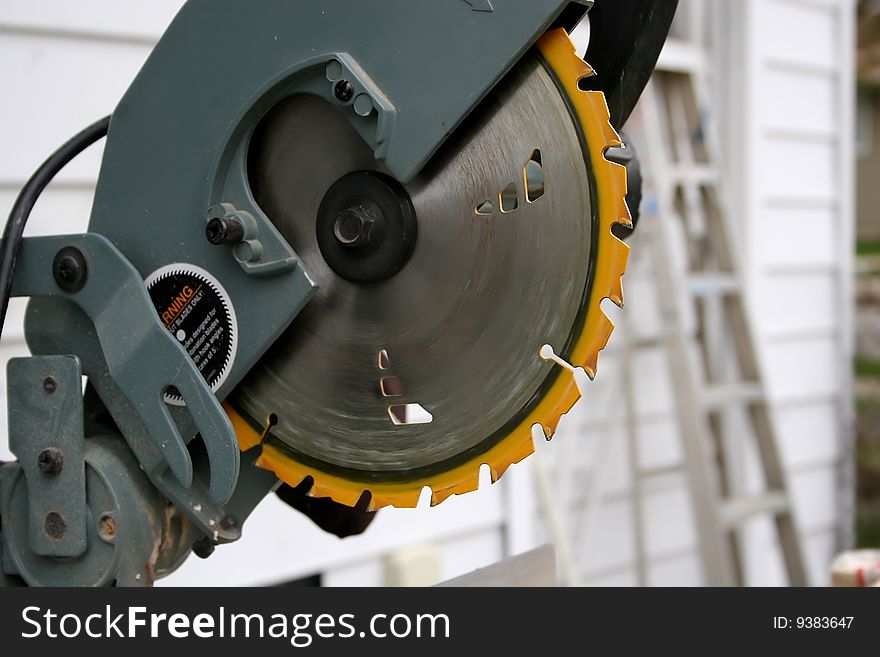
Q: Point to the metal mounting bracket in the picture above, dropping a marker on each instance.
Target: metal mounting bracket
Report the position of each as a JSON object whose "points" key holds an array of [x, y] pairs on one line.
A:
{"points": [[46, 434], [143, 358]]}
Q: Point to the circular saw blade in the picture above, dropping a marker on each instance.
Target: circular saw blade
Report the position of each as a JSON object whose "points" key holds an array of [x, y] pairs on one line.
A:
{"points": [[420, 379]]}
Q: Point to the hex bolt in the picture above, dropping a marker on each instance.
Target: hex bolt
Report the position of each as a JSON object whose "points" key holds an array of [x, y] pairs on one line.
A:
{"points": [[353, 226], [343, 90], [55, 526], [224, 231], [50, 384], [51, 461], [69, 269], [203, 548]]}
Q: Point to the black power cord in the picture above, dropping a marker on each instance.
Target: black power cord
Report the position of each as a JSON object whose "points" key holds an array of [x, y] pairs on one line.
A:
{"points": [[24, 204]]}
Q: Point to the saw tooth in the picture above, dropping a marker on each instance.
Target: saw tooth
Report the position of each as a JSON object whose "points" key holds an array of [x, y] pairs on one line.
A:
{"points": [[347, 497], [619, 254], [591, 365], [600, 108], [438, 497], [550, 424], [620, 259], [466, 485], [624, 216], [524, 449], [616, 294], [401, 498], [575, 388], [618, 181], [585, 71], [602, 335], [605, 332]]}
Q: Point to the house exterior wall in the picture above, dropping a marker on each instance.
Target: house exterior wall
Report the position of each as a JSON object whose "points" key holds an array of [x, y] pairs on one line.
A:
{"points": [[792, 151], [787, 98]]}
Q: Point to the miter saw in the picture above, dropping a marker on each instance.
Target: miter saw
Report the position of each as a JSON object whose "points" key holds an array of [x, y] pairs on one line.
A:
{"points": [[346, 251]]}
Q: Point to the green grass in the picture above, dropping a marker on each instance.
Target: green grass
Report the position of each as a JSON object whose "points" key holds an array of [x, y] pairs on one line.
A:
{"points": [[868, 248], [865, 405], [866, 368], [867, 453], [867, 456], [868, 525]]}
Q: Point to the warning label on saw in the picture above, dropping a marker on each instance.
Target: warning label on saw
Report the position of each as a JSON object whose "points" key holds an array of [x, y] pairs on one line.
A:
{"points": [[197, 311]]}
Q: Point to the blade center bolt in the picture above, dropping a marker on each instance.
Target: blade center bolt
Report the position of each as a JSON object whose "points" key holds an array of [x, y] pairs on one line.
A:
{"points": [[353, 226]]}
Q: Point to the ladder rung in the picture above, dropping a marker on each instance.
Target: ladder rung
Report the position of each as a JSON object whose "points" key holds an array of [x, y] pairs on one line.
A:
{"points": [[718, 395], [660, 471], [695, 173], [734, 512], [704, 285], [645, 342]]}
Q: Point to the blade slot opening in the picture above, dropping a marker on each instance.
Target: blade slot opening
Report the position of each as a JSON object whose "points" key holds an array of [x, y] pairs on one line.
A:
{"points": [[508, 199], [533, 177], [408, 414], [485, 208], [392, 386]]}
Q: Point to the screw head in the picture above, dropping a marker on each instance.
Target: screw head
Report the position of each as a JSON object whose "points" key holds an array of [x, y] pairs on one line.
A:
{"points": [[216, 231], [224, 230], [343, 90], [50, 384], [70, 270], [227, 523], [67, 269], [55, 526], [50, 461], [203, 548]]}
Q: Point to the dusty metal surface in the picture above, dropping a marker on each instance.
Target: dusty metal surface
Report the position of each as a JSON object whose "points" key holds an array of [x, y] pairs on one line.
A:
{"points": [[46, 435]]}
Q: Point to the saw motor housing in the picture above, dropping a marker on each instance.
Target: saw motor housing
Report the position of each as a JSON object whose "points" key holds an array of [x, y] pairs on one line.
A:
{"points": [[116, 483]]}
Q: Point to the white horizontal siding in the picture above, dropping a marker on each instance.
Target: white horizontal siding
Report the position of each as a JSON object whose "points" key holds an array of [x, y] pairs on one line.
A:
{"points": [[61, 80], [93, 20], [50, 78], [60, 85], [801, 32], [803, 300], [815, 246], [798, 101], [798, 227]]}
